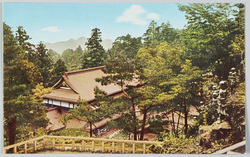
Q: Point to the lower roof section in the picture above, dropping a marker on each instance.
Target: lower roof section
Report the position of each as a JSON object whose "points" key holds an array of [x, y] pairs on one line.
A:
{"points": [[63, 95]]}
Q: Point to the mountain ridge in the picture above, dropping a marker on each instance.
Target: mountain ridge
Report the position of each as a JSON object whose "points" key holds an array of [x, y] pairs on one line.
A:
{"points": [[60, 46]]}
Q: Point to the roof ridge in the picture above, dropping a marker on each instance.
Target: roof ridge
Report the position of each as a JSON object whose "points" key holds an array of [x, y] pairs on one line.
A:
{"points": [[84, 70]]}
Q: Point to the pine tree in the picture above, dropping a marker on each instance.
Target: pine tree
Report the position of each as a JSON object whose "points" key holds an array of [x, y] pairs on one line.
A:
{"points": [[20, 77], [95, 54], [44, 63]]}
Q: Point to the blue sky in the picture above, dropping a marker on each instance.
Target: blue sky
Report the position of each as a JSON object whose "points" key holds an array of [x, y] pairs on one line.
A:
{"points": [[53, 22]]}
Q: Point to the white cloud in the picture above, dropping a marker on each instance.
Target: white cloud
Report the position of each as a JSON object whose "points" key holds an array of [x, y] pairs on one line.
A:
{"points": [[133, 15], [51, 29], [153, 16]]}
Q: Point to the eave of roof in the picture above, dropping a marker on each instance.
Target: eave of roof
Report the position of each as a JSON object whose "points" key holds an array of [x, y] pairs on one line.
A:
{"points": [[63, 95]]}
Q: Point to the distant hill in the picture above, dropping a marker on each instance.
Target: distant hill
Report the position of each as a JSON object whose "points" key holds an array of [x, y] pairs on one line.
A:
{"points": [[59, 47]]}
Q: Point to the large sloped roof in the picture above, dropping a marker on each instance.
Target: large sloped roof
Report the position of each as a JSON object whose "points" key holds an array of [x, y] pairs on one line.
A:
{"points": [[82, 84]]}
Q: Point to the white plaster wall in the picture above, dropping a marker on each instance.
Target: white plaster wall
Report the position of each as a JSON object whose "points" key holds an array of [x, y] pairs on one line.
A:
{"points": [[45, 101], [56, 102]]}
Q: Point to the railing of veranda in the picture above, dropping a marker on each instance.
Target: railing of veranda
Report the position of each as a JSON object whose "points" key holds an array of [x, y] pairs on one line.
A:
{"points": [[81, 144]]}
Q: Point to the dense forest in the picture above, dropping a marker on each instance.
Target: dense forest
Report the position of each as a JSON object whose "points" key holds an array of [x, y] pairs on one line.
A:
{"points": [[168, 62]]}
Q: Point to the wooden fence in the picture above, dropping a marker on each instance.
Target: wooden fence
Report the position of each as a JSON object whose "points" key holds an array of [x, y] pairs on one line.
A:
{"points": [[82, 144]]}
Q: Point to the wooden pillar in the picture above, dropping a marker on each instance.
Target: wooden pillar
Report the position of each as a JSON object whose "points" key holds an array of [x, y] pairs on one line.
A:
{"points": [[144, 148], [133, 148], [25, 148], [113, 147], [35, 147], [43, 143], [53, 143], [123, 148], [83, 145], [102, 146], [73, 145], [15, 150], [63, 144], [93, 146]]}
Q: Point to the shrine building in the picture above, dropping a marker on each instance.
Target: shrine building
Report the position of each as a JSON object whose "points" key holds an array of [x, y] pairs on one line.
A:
{"points": [[79, 85]]}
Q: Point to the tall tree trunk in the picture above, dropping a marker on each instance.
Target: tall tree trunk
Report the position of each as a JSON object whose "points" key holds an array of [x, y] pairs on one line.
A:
{"points": [[90, 129], [133, 108], [143, 122], [186, 114], [134, 119], [12, 130]]}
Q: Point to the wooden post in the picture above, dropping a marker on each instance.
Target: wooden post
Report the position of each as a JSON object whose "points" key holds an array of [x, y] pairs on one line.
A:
{"points": [[53, 143], [144, 148], [102, 146], [93, 146], [83, 145], [35, 147], [113, 147], [63, 144], [15, 150], [25, 148], [43, 143], [123, 148], [73, 145], [133, 148]]}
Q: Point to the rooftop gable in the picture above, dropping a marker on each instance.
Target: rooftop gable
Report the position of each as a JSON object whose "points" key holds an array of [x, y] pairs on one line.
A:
{"points": [[82, 83]]}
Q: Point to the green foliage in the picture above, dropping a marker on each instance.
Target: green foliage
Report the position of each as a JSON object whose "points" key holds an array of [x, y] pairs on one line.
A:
{"points": [[156, 124], [53, 55], [25, 48], [121, 71], [238, 53], [181, 144], [9, 45], [58, 70], [21, 108], [90, 112], [159, 63], [73, 58], [124, 123], [238, 45], [67, 56], [121, 68], [236, 108], [82, 112], [40, 91], [177, 145], [76, 59], [73, 132], [170, 79], [95, 54], [162, 33], [210, 29], [43, 63], [187, 74], [127, 44]]}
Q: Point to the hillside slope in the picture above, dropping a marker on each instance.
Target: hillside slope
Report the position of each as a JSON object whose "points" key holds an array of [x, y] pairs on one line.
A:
{"points": [[59, 47]]}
